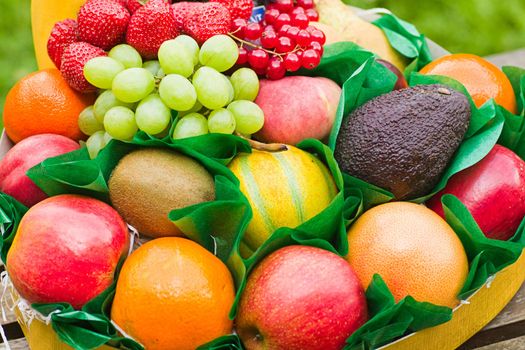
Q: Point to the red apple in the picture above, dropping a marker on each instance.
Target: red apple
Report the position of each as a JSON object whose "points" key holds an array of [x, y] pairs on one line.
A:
{"points": [[493, 190], [301, 298], [22, 157], [66, 250], [297, 108], [401, 82]]}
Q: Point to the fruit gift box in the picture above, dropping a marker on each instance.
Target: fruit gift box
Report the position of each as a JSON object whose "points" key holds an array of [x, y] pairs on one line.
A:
{"points": [[193, 177]]}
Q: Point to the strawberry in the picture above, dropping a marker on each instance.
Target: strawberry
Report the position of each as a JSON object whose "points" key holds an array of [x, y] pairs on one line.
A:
{"points": [[238, 8], [150, 26], [207, 20], [73, 60], [181, 11], [103, 23], [62, 35], [133, 5]]}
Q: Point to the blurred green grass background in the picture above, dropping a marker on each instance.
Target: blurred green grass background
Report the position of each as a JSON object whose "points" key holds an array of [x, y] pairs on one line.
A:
{"points": [[482, 27]]}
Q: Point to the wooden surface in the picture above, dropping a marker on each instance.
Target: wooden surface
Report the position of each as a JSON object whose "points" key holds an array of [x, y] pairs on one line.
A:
{"points": [[505, 332]]}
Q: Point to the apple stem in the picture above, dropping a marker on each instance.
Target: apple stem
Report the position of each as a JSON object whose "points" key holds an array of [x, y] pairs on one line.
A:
{"points": [[261, 146]]}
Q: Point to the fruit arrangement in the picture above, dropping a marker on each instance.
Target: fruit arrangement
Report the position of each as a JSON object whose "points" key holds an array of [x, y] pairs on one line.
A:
{"points": [[219, 175]]}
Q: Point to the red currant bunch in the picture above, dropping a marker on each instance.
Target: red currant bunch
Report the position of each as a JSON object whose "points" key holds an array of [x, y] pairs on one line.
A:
{"points": [[283, 41]]}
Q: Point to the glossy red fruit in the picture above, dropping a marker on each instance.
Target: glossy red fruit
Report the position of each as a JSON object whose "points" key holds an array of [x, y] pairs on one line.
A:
{"points": [[300, 20], [301, 298], [493, 190], [269, 39], [317, 47], [312, 15], [318, 35], [74, 58], [207, 20], [401, 82], [62, 35], [292, 32], [297, 10], [150, 26], [252, 31], [25, 155], [284, 44], [258, 59], [103, 23], [311, 59], [303, 38], [237, 8], [181, 11], [271, 15], [238, 26], [132, 5], [306, 4], [281, 20], [243, 56], [283, 31], [284, 6], [292, 62], [67, 249], [276, 69]]}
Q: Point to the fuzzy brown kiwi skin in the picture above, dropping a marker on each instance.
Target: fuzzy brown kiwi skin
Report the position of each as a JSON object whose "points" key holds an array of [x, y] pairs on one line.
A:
{"points": [[148, 183]]}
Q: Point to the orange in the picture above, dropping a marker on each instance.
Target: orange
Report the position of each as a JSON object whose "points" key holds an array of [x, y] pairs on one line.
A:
{"points": [[482, 79], [413, 249], [172, 294], [42, 102]]}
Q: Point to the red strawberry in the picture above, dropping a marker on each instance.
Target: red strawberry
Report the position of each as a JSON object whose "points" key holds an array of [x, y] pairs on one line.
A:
{"points": [[62, 35], [207, 20], [150, 26], [73, 60], [181, 11], [133, 5], [238, 8], [103, 23]]}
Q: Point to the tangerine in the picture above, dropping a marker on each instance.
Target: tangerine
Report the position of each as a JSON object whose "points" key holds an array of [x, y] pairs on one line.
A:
{"points": [[413, 249], [41, 103], [482, 79], [172, 294]]}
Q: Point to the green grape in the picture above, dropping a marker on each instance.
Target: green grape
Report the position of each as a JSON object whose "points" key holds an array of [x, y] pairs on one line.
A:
{"points": [[120, 123], [88, 123], [245, 83], [196, 108], [160, 74], [105, 101], [191, 45], [249, 117], [107, 137], [127, 55], [214, 90], [152, 66], [219, 52], [231, 91], [193, 124], [177, 92], [133, 84], [100, 71], [152, 115], [175, 58], [221, 121], [95, 143]]}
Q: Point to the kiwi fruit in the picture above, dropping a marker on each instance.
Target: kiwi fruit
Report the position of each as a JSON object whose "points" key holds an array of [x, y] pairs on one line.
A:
{"points": [[149, 183]]}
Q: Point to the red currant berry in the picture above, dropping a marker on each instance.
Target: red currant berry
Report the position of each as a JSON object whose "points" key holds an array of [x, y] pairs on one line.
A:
{"points": [[281, 20], [307, 4], [284, 5], [271, 15], [252, 31], [276, 69], [284, 30], [303, 38], [318, 35], [238, 26], [285, 44], [292, 62], [292, 33], [316, 46], [299, 54], [243, 56], [312, 15], [258, 59], [300, 20], [297, 10], [269, 28], [269, 39], [311, 59]]}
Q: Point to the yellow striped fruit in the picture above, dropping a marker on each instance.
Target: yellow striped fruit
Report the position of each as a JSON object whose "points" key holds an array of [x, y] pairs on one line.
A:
{"points": [[44, 15], [284, 189]]}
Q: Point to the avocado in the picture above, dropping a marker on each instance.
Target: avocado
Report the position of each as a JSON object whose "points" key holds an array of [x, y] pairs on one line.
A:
{"points": [[404, 140]]}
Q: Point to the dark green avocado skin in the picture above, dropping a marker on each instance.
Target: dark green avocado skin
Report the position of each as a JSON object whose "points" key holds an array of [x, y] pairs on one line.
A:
{"points": [[403, 141]]}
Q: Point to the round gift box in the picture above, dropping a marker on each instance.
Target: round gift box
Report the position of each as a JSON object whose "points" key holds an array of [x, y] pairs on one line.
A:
{"points": [[468, 318]]}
